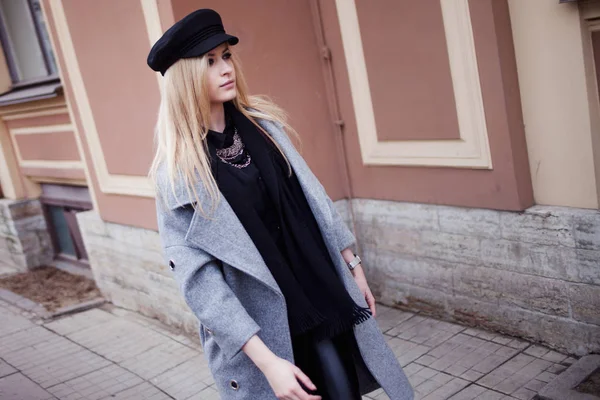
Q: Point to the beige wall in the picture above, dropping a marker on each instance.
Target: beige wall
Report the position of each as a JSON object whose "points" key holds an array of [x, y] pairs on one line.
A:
{"points": [[556, 111]]}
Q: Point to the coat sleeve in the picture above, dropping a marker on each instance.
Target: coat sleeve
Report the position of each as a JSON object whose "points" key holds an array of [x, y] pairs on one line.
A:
{"points": [[201, 281], [344, 235]]}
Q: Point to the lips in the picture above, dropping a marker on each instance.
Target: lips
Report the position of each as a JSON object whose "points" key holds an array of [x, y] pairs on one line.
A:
{"points": [[227, 83]]}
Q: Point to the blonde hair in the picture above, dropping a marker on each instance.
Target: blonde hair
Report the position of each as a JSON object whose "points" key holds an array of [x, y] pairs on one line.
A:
{"points": [[183, 123]]}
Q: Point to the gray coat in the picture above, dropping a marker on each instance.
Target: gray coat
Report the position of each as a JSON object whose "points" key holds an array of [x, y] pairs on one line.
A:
{"points": [[230, 289]]}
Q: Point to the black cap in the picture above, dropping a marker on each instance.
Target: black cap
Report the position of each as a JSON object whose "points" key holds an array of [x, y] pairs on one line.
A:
{"points": [[192, 36]]}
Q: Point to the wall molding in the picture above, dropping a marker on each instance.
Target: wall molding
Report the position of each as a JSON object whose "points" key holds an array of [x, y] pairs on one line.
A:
{"points": [[107, 182], [51, 164], [153, 26], [27, 115], [33, 130], [472, 149]]}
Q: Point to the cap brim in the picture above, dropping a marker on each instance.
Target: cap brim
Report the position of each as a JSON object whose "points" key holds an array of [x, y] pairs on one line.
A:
{"points": [[209, 44]]}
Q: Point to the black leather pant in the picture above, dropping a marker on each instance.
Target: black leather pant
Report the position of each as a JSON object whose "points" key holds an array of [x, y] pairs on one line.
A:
{"points": [[330, 366]]}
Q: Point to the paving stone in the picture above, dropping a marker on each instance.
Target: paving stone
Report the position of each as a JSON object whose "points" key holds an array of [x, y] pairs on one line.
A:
{"points": [[24, 338], [475, 392], [412, 368], [427, 373], [471, 375], [469, 393], [19, 387], [186, 380], [159, 359], [6, 369], [524, 394], [545, 376], [506, 370], [569, 361], [210, 393], [144, 391], [449, 388], [55, 361], [405, 351], [518, 344], [442, 377], [73, 323], [427, 387], [519, 379], [535, 385], [456, 370], [504, 340], [556, 368], [388, 318], [554, 356], [537, 351], [10, 323], [416, 380], [466, 355], [98, 384], [426, 360], [118, 340], [406, 325]]}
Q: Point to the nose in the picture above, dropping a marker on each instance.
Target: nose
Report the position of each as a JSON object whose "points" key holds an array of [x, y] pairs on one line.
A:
{"points": [[226, 69]]}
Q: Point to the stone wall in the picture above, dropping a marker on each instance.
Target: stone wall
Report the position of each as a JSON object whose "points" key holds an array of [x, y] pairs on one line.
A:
{"points": [[534, 274], [130, 271], [24, 239]]}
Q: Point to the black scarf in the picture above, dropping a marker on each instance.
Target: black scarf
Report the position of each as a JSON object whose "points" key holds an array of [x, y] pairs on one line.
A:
{"points": [[297, 256]]}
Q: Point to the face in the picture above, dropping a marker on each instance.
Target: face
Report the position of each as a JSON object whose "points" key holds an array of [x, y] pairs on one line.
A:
{"points": [[220, 75]]}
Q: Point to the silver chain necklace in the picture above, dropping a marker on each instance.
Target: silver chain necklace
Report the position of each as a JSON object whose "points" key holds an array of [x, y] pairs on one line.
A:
{"points": [[227, 154]]}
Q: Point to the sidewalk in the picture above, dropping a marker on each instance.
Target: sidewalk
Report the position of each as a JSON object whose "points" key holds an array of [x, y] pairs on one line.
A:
{"points": [[111, 353]]}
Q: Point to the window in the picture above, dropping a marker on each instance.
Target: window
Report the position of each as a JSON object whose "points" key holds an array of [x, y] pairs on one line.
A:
{"points": [[61, 203], [26, 43]]}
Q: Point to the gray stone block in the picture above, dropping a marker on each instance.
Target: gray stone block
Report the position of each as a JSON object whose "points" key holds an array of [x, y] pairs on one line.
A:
{"points": [[391, 238], [470, 221], [587, 231], [408, 215], [563, 334], [546, 261], [543, 228], [451, 247], [512, 289], [585, 303]]}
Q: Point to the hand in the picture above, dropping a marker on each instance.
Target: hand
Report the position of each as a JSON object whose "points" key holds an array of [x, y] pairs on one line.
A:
{"points": [[361, 281], [283, 377]]}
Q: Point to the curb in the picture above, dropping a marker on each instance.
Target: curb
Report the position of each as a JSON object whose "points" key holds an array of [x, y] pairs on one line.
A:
{"points": [[41, 311], [561, 388]]}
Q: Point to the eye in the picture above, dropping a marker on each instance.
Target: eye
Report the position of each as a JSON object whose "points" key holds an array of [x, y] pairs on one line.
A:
{"points": [[226, 56], [211, 61]]}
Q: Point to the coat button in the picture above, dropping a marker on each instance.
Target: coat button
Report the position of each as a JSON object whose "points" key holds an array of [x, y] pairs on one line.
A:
{"points": [[171, 265], [234, 385]]}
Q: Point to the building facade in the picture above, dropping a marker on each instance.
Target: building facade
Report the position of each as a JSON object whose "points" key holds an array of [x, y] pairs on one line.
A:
{"points": [[459, 138]]}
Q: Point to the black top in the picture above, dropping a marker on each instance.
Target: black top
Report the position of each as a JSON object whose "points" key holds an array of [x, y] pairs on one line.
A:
{"points": [[273, 209], [246, 182]]}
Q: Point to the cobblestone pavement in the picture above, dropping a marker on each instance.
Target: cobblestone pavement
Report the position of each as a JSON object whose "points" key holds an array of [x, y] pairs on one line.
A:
{"points": [[111, 353]]}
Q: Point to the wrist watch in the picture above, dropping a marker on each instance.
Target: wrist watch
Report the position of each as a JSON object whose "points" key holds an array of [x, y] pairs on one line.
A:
{"points": [[352, 264]]}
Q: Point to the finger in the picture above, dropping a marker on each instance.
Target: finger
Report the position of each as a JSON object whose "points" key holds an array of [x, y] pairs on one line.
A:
{"points": [[302, 395], [371, 302], [305, 379]]}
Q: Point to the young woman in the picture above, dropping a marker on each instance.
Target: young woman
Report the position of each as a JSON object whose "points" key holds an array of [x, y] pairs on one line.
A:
{"points": [[260, 253]]}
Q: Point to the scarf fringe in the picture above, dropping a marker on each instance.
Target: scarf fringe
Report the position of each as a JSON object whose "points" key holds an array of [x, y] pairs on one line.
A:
{"points": [[335, 326]]}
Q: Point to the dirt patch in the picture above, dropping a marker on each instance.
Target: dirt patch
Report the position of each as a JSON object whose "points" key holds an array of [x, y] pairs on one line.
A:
{"points": [[51, 287], [591, 385]]}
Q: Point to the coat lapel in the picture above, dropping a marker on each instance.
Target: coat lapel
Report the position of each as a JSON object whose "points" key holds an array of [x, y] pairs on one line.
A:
{"points": [[222, 235]]}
